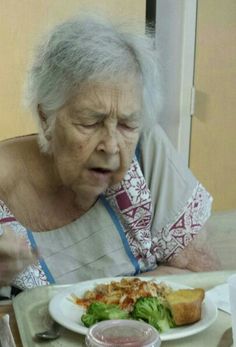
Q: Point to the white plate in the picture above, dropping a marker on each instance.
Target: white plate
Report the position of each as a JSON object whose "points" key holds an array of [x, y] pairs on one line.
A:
{"points": [[68, 314]]}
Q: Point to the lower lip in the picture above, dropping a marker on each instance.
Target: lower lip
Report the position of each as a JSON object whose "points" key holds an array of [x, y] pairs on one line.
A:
{"points": [[101, 177]]}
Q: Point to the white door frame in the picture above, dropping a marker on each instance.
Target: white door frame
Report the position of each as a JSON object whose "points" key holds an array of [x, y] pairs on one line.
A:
{"points": [[176, 30]]}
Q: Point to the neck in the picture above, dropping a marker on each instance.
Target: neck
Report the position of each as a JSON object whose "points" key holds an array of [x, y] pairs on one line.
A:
{"points": [[85, 201], [82, 200]]}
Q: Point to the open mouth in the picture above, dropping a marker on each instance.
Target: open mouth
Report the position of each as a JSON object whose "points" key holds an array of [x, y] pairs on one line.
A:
{"points": [[100, 175], [101, 170]]}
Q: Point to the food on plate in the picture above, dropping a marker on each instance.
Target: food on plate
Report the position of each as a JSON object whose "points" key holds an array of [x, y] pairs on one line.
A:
{"points": [[123, 293], [132, 298], [185, 305], [98, 311], [154, 311]]}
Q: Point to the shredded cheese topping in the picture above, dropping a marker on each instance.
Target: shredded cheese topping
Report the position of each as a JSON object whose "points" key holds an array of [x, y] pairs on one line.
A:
{"points": [[123, 293]]}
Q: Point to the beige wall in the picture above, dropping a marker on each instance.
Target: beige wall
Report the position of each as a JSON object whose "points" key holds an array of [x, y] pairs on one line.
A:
{"points": [[22, 23], [213, 143]]}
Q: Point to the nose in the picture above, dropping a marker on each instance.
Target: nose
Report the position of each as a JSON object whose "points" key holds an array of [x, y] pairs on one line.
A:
{"points": [[109, 142]]}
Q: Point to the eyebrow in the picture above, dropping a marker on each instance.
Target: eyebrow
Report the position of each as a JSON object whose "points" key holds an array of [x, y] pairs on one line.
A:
{"points": [[100, 115]]}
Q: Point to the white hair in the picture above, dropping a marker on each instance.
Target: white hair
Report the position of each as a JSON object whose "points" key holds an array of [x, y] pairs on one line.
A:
{"points": [[88, 48]]}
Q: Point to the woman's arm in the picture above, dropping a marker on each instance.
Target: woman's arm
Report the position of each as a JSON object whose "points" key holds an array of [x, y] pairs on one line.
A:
{"points": [[197, 256]]}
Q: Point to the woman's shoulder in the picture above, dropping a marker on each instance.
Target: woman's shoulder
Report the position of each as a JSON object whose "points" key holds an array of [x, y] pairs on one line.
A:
{"points": [[14, 155], [155, 135], [156, 146]]}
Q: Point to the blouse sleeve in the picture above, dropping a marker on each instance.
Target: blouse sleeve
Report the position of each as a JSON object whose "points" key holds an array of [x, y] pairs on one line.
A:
{"points": [[181, 205], [5, 214]]}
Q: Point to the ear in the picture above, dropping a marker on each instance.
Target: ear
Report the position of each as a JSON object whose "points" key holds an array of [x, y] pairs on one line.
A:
{"points": [[42, 118], [44, 122]]}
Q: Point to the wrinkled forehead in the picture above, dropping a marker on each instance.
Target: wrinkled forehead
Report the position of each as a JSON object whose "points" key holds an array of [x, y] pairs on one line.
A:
{"points": [[123, 97]]}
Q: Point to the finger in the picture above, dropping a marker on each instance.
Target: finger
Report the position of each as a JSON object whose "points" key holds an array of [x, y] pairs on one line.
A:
{"points": [[8, 272], [19, 251], [11, 244], [29, 255]]}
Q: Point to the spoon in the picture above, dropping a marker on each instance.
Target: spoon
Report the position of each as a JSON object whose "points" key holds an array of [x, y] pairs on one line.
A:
{"points": [[51, 334]]}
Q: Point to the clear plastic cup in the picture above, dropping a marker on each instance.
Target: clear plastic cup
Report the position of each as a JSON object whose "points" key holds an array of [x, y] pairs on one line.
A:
{"points": [[232, 301], [122, 333]]}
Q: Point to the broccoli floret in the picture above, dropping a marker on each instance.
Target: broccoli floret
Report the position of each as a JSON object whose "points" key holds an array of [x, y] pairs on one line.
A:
{"points": [[153, 311], [88, 319], [98, 311]]}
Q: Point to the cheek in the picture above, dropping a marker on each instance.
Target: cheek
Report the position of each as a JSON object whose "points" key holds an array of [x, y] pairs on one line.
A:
{"points": [[77, 147], [131, 144], [68, 142], [128, 152]]}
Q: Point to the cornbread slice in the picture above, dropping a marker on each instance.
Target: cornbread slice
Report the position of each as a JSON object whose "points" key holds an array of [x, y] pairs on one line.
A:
{"points": [[186, 305]]}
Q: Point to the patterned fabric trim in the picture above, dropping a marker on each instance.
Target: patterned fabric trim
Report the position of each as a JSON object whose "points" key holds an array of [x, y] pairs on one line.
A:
{"points": [[32, 276], [175, 236], [5, 214], [131, 202], [42, 263]]}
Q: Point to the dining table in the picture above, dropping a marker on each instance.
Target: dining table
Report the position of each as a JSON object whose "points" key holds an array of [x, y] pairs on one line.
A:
{"points": [[29, 314]]}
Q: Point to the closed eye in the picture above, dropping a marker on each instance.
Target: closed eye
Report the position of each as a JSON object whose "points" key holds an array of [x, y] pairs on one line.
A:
{"points": [[87, 126], [128, 127]]}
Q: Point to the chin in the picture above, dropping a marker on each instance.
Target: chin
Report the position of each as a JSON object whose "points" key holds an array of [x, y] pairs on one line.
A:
{"points": [[117, 178], [95, 190]]}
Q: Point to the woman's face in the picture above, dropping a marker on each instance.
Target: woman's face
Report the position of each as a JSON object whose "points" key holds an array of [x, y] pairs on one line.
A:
{"points": [[95, 136]]}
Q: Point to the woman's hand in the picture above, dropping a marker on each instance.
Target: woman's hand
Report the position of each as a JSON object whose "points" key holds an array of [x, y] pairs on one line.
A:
{"points": [[15, 255]]}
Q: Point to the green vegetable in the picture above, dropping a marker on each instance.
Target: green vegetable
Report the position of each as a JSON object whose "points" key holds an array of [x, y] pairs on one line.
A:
{"points": [[98, 311], [153, 311]]}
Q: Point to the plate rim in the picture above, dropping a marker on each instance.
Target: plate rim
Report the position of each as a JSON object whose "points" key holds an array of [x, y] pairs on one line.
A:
{"points": [[62, 294]]}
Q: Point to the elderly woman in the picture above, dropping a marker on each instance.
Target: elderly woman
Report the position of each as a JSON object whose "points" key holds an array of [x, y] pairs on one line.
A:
{"points": [[100, 191]]}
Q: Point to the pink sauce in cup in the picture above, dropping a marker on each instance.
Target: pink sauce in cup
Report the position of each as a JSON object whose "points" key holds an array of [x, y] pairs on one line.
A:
{"points": [[122, 333]]}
